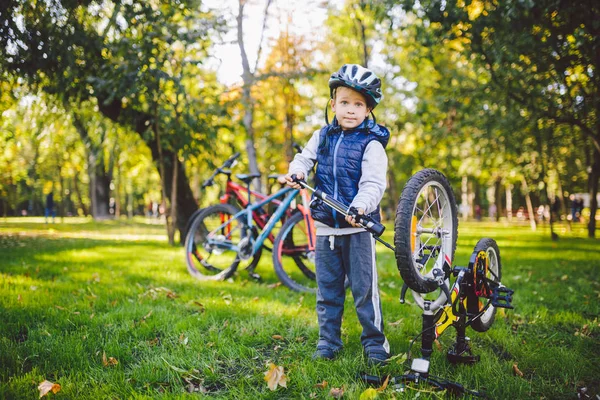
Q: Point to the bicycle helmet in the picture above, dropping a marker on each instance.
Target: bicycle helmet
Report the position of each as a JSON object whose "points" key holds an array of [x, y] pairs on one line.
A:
{"points": [[360, 79]]}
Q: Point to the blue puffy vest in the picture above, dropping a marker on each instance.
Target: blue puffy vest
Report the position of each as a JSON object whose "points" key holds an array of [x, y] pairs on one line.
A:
{"points": [[339, 161]]}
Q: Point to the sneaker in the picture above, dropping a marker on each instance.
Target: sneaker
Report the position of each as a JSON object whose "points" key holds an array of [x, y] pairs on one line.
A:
{"points": [[323, 353], [377, 359]]}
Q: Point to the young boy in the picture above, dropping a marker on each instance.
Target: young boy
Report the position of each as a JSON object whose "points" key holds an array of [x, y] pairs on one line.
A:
{"points": [[351, 167]]}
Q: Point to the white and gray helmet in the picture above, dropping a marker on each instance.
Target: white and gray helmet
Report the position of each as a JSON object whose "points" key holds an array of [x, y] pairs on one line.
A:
{"points": [[360, 79]]}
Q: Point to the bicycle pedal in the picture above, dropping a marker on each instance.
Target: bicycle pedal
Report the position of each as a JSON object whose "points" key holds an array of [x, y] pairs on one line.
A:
{"points": [[420, 365], [502, 297]]}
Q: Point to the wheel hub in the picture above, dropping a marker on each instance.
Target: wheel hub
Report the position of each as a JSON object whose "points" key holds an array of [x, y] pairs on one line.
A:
{"points": [[215, 245]]}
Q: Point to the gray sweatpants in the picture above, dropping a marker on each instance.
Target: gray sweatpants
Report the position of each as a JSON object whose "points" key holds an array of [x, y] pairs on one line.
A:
{"points": [[353, 256]]}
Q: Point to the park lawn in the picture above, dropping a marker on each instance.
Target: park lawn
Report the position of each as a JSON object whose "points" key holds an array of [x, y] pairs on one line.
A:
{"points": [[108, 310]]}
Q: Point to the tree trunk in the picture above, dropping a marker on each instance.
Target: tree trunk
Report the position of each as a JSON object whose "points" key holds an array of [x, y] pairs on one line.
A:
{"points": [[544, 194], [62, 194], [471, 198], [290, 120], [363, 37], [99, 178], [186, 205], [530, 211], [247, 101], [101, 192], [248, 121], [563, 205], [593, 186], [129, 195], [464, 198], [163, 175], [509, 202], [117, 193], [173, 212], [498, 202], [79, 197], [92, 184]]}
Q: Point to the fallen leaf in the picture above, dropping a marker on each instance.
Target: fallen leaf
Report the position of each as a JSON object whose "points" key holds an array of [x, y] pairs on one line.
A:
{"points": [[47, 386], [171, 295], [277, 337], [516, 370], [60, 308], [438, 345], [585, 330], [385, 383], [109, 361], [19, 298], [369, 394], [396, 323], [274, 285], [202, 309], [337, 393], [321, 385], [300, 339], [275, 376], [255, 298], [147, 315], [183, 339]]}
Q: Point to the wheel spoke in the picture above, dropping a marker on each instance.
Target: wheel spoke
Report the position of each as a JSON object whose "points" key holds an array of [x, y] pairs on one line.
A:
{"points": [[209, 243]]}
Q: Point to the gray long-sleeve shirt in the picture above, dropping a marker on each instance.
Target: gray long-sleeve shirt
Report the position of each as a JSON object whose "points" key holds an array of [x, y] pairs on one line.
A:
{"points": [[371, 186]]}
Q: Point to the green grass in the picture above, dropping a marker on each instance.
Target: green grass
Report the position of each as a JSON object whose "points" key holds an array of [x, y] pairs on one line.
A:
{"points": [[73, 291]]}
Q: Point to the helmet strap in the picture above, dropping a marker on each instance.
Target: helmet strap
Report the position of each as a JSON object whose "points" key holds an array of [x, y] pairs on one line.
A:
{"points": [[326, 116], [374, 119]]}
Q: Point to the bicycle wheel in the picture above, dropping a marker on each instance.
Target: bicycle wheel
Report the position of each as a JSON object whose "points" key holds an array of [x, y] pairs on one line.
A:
{"points": [[209, 254], [425, 229], [293, 260], [486, 267]]}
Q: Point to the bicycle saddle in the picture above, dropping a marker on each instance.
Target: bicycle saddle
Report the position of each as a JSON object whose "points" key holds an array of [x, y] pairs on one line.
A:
{"points": [[247, 178]]}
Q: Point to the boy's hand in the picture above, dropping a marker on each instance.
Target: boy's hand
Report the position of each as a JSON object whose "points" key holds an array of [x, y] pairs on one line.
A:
{"points": [[289, 181], [350, 219]]}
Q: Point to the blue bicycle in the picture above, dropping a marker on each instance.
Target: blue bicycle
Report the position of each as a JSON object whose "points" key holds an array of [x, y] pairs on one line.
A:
{"points": [[221, 236]]}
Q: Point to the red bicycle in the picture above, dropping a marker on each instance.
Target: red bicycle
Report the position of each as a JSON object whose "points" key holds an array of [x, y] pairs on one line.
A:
{"points": [[214, 224]]}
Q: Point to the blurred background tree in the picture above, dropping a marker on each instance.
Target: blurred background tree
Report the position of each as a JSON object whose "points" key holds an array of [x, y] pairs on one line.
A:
{"points": [[118, 105]]}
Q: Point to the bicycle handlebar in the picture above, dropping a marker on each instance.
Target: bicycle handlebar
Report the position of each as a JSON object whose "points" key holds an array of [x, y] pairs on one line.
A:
{"points": [[364, 220], [227, 164]]}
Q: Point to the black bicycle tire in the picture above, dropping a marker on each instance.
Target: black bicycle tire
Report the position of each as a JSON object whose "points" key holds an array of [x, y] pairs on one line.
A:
{"points": [[481, 324], [189, 242], [191, 219], [402, 227], [277, 263]]}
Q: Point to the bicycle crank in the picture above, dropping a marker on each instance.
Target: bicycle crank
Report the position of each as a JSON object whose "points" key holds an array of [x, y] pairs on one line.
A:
{"points": [[246, 248]]}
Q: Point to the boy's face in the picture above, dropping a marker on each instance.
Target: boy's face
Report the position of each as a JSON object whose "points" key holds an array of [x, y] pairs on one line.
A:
{"points": [[350, 107]]}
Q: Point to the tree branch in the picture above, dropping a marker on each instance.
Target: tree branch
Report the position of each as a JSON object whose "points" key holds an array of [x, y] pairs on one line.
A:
{"points": [[262, 34]]}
